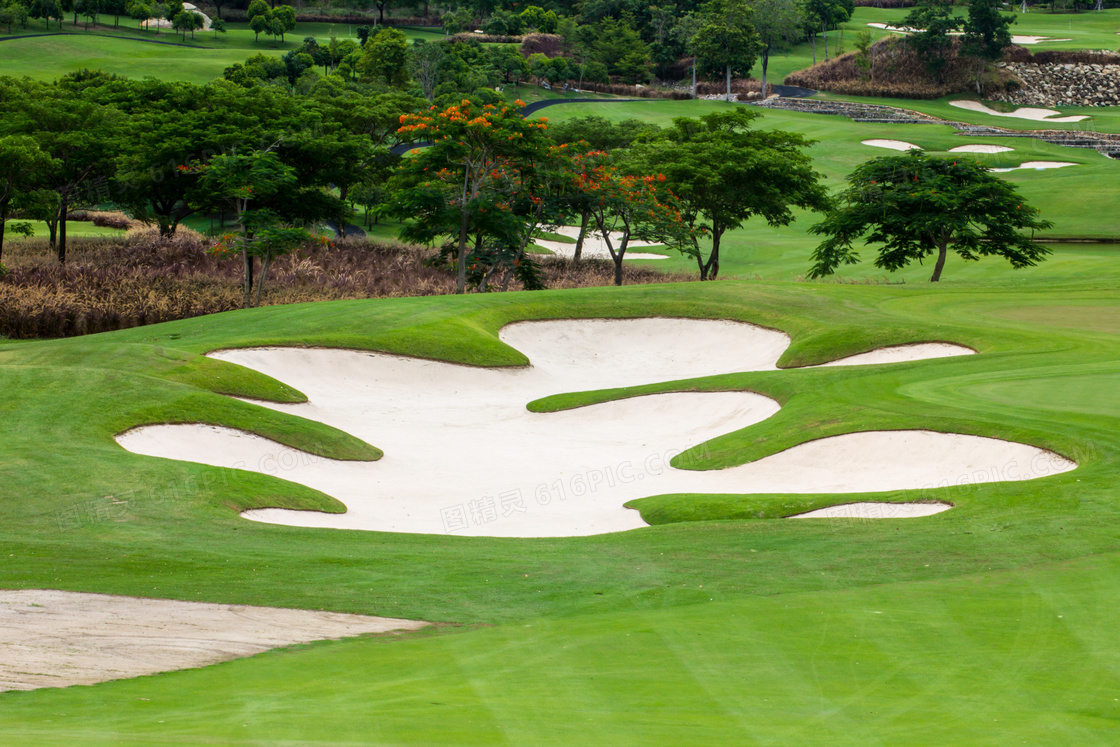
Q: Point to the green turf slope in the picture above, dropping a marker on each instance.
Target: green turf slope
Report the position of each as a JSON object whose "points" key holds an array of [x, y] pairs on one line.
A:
{"points": [[750, 630]]}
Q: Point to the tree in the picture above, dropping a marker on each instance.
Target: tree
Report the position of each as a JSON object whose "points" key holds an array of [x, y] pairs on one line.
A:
{"points": [[931, 24], [262, 22], [778, 23], [22, 165], [986, 34], [140, 13], [116, 8], [633, 207], [218, 26], [829, 14], [727, 37], [46, 10], [917, 205], [723, 173], [265, 237], [183, 22], [424, 62], [455, 184], [88, 9], [243, 179], [284, 19], [385, 57]]}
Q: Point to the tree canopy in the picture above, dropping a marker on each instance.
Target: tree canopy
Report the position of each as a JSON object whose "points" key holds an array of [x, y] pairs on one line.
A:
{"points": [[918, 206]]}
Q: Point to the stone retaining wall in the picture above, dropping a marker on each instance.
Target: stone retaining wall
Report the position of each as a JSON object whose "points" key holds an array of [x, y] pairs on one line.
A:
{"points": [[1063, 85]]}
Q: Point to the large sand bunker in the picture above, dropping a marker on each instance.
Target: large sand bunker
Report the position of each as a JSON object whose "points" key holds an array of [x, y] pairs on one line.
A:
{"points": [[61, 638], [1038, 115], [464, 455]]}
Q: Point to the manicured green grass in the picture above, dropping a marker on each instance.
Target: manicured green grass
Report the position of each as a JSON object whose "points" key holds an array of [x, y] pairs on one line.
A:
{"points": [[753, 629], [127, 51]]}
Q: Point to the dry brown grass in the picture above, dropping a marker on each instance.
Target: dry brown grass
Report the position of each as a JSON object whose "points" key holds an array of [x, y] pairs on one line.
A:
{"points": [[116, 283]]}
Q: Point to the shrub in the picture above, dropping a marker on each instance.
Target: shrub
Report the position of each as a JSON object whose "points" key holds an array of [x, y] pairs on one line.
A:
{"points": [[550, 45]]}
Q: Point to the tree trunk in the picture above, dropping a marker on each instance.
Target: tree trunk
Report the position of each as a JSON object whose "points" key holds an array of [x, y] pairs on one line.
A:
{"points": [[584, 219], [3, 225], [461, 283], [824, 25], [62, 210], [694, 77], [710, 269], [728, 82], [765, 63], [265, 262], [248, 260], [943, 250], [813, 40]]}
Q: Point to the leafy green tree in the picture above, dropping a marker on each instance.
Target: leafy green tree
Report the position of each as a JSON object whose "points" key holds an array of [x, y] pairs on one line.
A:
{"points": [[22, 165], [454, 187], [385, 57], [218, 26], [116, 8], [183, 22], [264, 236], [932, 22], [536, 17], [260, 23], [778, 23], [626, 207], [987, 32], [140, 13], [724, 173], [617, 41], [916, 206], [46, 10], [829, 15], [243, 179], [425, 63], [726, 37], [88, 9], [284, 18]]}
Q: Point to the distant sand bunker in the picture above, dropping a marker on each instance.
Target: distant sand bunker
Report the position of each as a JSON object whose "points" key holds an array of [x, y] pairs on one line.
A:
{"points": [[463, 454], [61, 638], [1038, 115], [1037, 166], [892, 144], [981, 149]]}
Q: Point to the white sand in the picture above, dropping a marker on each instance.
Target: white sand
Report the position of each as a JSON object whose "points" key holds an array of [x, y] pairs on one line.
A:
{"points": [[902, 354], [1015, 39], [463, 455], [59, 638], [594, 247], [892, 144], [1036, 166], [1038, 115], [981, 149], [875, 511]]}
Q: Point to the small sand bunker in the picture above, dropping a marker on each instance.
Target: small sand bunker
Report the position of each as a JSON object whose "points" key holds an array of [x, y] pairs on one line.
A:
{"points": [[1026, 39], [594, 247], [525, 474], [1038, 115], [892, 144], [875, 511], [902, 354], [61, 638], [1036, 166], [981, 149]]}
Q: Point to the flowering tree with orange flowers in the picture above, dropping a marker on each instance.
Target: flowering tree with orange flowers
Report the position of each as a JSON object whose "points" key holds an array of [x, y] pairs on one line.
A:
{"points": [[465, 183], [627, 207]]}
